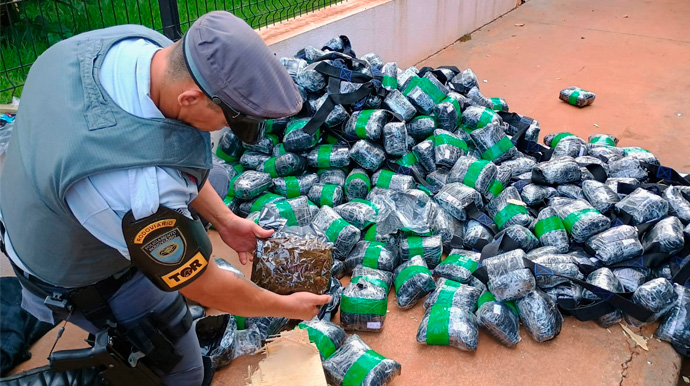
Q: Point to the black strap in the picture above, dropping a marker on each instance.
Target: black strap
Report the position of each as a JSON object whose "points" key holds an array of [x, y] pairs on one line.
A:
{"points": [[664, 173], [329, 104], [475, 214], [2, 238], [532, 148], [347, 46], [598, 172]]}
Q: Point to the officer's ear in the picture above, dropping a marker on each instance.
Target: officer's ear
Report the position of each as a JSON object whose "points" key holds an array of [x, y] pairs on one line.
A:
{"points": [[191, 97]]}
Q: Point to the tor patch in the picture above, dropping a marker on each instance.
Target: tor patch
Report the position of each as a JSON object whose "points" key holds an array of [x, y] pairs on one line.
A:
{"points": [[167, 248]]}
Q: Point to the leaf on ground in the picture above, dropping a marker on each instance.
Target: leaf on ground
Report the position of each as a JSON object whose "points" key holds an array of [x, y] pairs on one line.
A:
{"points": [[639, 339]]}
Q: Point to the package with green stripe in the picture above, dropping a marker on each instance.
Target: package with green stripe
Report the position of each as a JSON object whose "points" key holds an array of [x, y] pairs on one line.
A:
{"points": [[455, 294], [602, 140], [253, 159], [292, 212], [291, 186], [358, 212], [257, 204], [338, 231], [372, 254], [550, 230], [540, 316], [523, 236], [478, 99], [390, 76], [264, 145], [499, 104], [249, 184], [508, 209], [356, 364], [447, 113], [458, 266], [288, 164], [449, 326], [367, 154], [616, 244], [421, 127], [500, 319], [327, 336], [477, 117], [357, 184], [329, 156], [643, 206], [395, 138], [448, 148], [493, 144], [581, 220], [326, 194], [508, 277], [455, 197], [366, 124], [577, 97], [477, 174], [413, 282], [424, 93], [296, 139], [294, 259], [230, 147], [364, 302], [332, 176], [569, 147], [425, 154], [389, 180], [500, 182], [641, 154], [562, 264], [534, 195], [429, 248], [400, 105]]}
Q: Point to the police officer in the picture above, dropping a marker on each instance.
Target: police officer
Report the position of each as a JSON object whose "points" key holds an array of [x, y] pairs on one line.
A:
{"points": [[110, 148]]}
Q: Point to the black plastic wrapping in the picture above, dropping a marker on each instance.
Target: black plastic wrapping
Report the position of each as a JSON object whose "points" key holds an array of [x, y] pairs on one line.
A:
{"points": [[523, 236], [641, 154], [332, 176], [413, 281], [357, 184], [326, 194], [631, 278], [292, 212], [366, 124], [249, 184], [477, 117], [540, 316], [398, 104], [675, 326], [386, 179], [230, 147], [296, 139], [447, 325], [421, 127], [604, 278], [458, 266], [655, 295], [557, 171], [355, 351], [569, 147], [216, 336], [372, 254], [477, 174], [358, 212], [448, 148], [338, 231], [395, 138], [508, 279], [425, 154], [581, 220], [455, 294], [507, 209], [455, 197], [616, 244], [329, 156], [600, 196], [577, 97], [666, 236], [550, 230], [643, 206], [367, 155], [476, 233], [447, 114], [561, 264], [292, 186], [364, 302], [500, 319], [328, 337], [678, 205], [627, 167], [535, 195], [493, 144]]}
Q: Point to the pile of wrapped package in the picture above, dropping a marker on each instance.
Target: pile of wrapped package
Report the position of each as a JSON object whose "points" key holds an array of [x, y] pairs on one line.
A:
{"points": [[428, 188]]}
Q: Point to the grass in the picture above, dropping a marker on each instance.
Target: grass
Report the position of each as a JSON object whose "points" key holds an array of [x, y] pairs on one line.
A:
{"points": [[29, 27]]}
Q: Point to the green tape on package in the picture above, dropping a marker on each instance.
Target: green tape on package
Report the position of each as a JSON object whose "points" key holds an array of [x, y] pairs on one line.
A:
{"points": [[384, 180], [360, 369], [334, 229], [486, 118], [496, 104], [270, 167], [372, 254], [231, 186], [508, 212], [415, 246], [485, 297], [268, 126], [363, 306], [414, 81], [601, 139], [496, 187], [574, 217], [437, 325], [370, 234], [360, 176], [473, 173], [330, 139], [372, 280], [273, 138], [461, 261], [424, 189], [361, 123], [262, 200], [241, 322], [407, 273], [323, 156], [407, 160], [225, 156], [557, 138], [431, 90], [292, 187], [629, 150], [296, 125], [327, 194], [286, 211], [498, 149], [322, 341], [445, 139], [281, 149], [572, 99], [547, 225], [390, 82], [455, 104]]}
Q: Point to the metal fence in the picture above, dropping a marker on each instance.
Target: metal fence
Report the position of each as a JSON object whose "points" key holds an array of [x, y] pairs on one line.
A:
{"points": [[29, 27]]}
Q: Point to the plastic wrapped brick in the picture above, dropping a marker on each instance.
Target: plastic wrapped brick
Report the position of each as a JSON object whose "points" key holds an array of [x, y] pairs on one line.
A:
{"points": [[523, 236], [338, 269], [478, 98], [424, 93], [666, 235], [292, 212], [246, 342], [449, 326], [310, 79], [655, 295], [216, 336], [332, 176], [581, 220], [631, 278], [372, 254], [230, 147], [499, 183], [599, 195], [336, 117], [455, 197], [293, 65], [296, 140], [443, 224], [267, 326], [357, 184], [643, 206], [327, 156], [577, 97], [447, 114], [464, 81], [477, 117], [500, 319], [458, 266], [438, 178], [493, 144], [249, 184], [641, 154], [448, 148], [557, 171], [477, 174], [519, 165], [258, 203], [602, 140], [429, 248], [264, 145], [358, 212], [390, 76], [677, 204], [508, 279], [395, 138], [421, 127], [450, 293], [675, 326], [612, 182], [253, 159], [356, 364], [605, 153], [364, 303], [326, 194], [499, 104], [570, 147], [425, 154], [535, 195], [570, 191], [387, 179], [627, 167], [604, 278], [413, 281], [400, 105], [327, 336], [550, 230], [561, 264], [288, 164], [409, 165], [292, 187], [616, 244], [338, 231], [540, 316], [508, 209], [367, 155], [404, 77], [366, 124], [568, 290]]}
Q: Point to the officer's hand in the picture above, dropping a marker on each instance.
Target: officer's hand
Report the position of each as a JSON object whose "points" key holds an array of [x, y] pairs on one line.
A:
{"points": [[304, 305], [240, 234]]}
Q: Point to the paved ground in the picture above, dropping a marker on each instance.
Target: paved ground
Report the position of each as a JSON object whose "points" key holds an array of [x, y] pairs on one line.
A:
{"points": [[633, 55]]}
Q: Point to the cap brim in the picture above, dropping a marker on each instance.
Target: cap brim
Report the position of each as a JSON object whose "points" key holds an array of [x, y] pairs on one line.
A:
{"points": [[248, 132]]}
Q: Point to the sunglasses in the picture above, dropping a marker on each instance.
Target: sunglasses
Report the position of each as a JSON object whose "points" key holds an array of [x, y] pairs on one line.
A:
{"points": [[247, 128]]}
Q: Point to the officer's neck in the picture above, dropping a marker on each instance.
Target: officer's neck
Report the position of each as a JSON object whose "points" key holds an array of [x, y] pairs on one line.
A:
{"points": [[163, 91]]}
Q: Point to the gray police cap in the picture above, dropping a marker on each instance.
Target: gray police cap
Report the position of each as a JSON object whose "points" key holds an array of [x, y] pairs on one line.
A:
{"points": [[229, 60]]}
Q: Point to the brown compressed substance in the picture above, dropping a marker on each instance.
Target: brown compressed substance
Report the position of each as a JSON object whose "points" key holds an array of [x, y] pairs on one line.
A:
{"points": [[292, 264]]}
